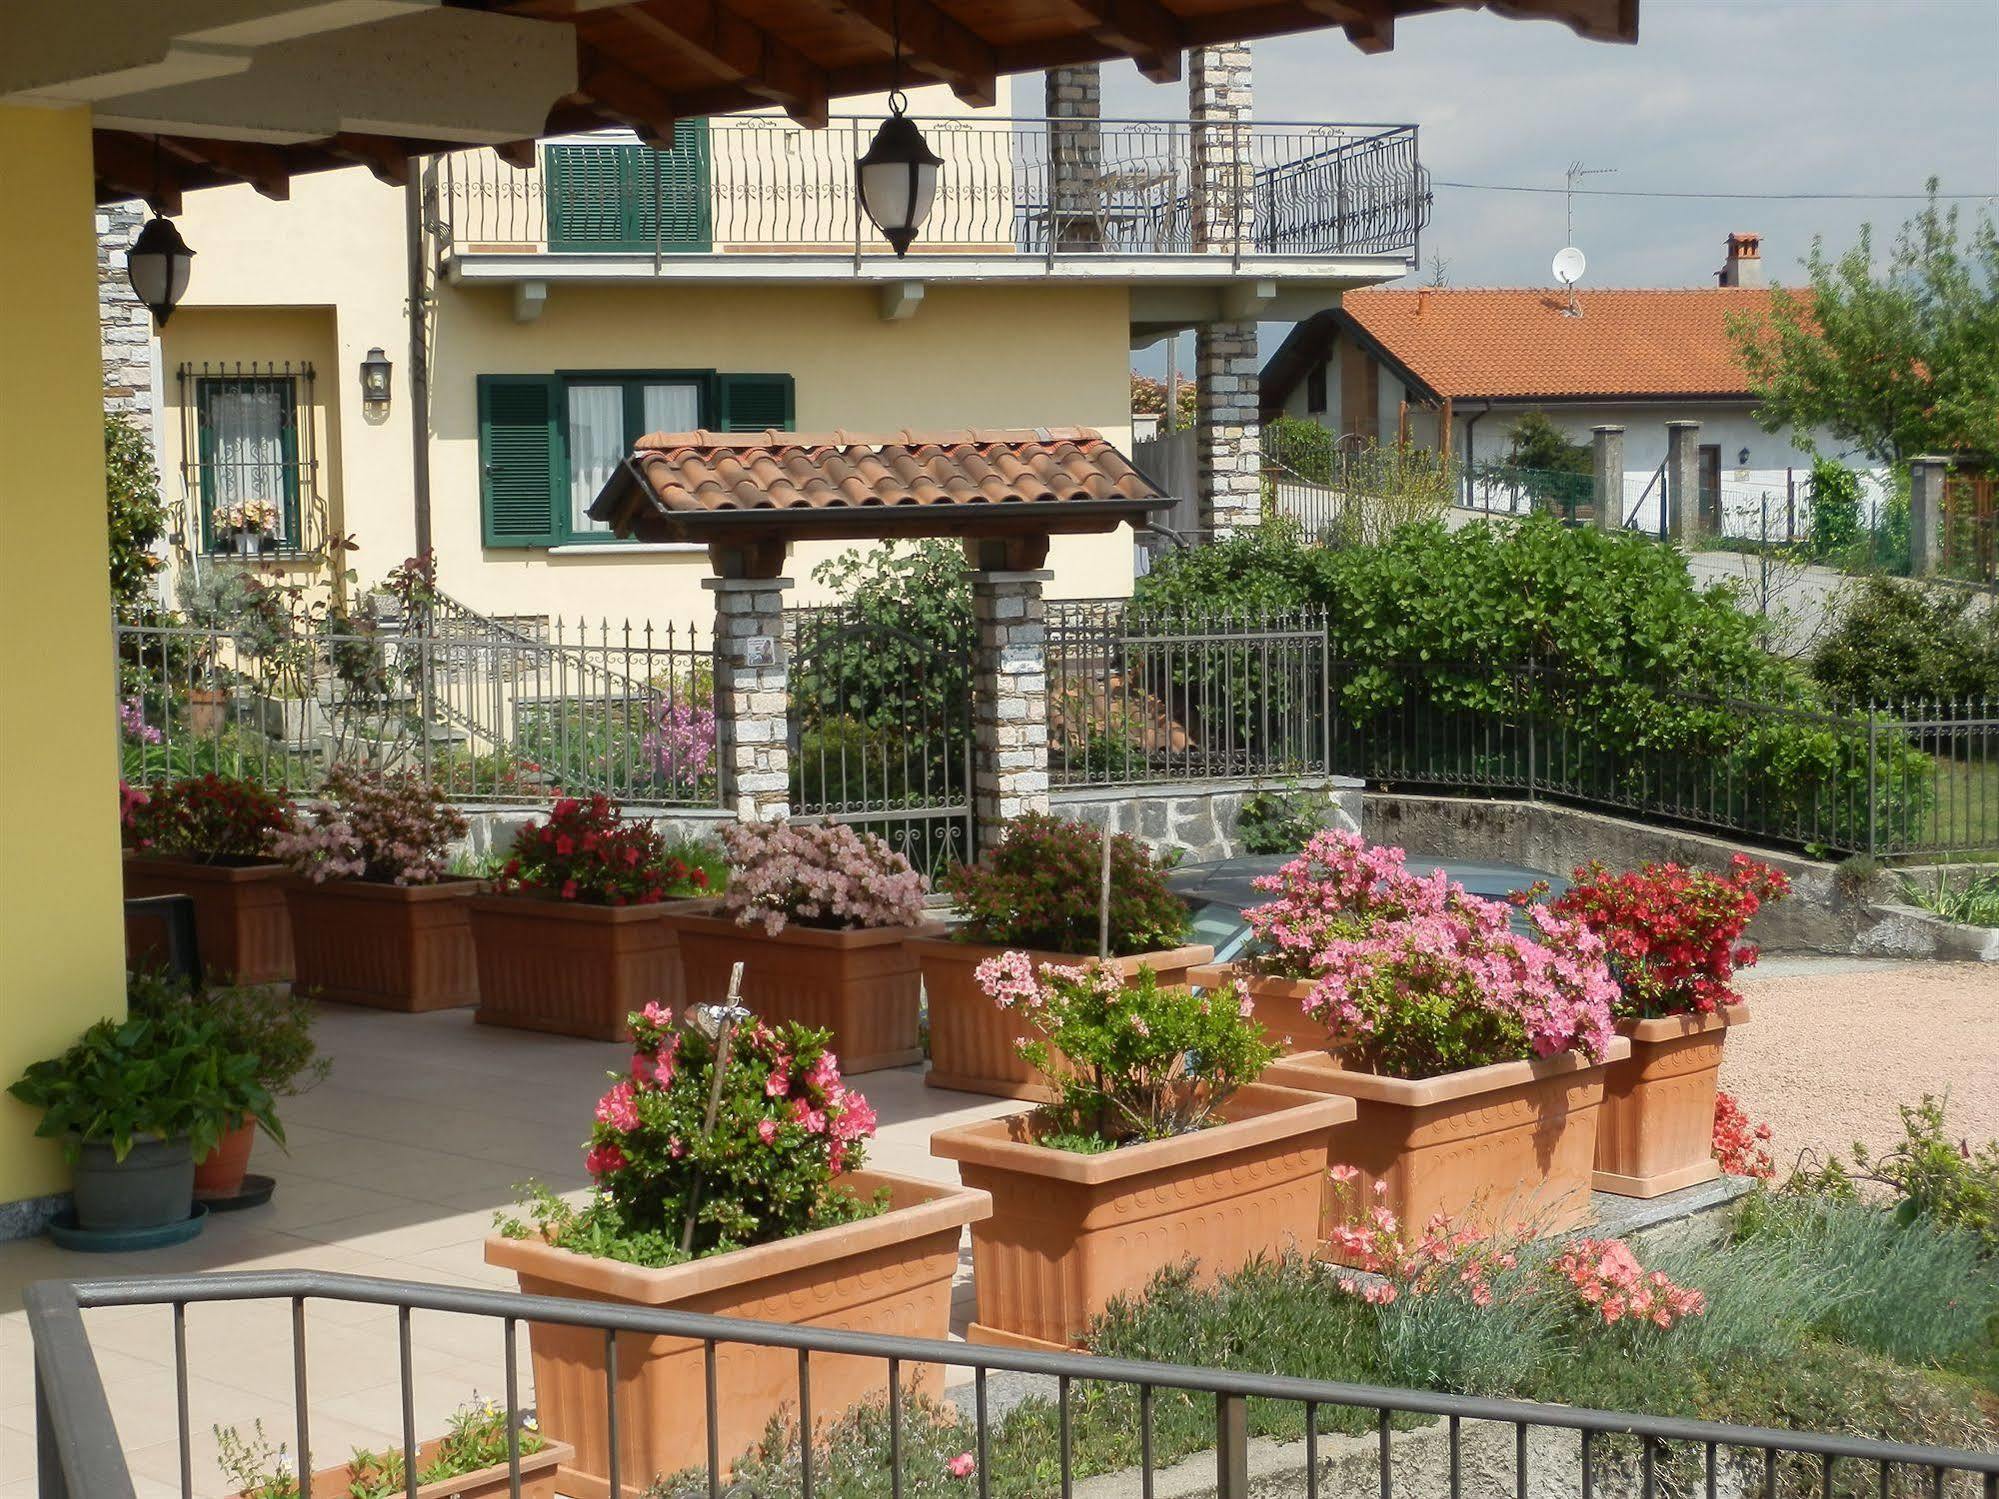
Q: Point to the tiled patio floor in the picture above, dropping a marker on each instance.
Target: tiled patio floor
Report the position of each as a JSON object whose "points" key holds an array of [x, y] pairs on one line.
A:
{"points": [[397, 1164]]}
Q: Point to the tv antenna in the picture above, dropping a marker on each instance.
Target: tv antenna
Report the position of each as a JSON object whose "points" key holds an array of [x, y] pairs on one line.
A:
{"points": [[1569, 262]]}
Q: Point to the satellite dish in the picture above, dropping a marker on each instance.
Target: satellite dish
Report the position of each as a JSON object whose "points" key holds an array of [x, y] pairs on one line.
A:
{"points": [[1569, 266]]}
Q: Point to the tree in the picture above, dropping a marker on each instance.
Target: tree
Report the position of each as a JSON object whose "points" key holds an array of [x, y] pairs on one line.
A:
{"points": [[137, 512], [1895, 360], [1556, 474]]}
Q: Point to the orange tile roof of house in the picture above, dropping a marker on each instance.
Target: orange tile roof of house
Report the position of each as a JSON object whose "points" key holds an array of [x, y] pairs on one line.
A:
{"points": [[1520, 344]]}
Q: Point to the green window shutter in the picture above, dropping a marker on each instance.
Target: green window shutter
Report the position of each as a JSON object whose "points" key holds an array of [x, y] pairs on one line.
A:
{"points": [[631, 198], [751, 403], [521, 470]]}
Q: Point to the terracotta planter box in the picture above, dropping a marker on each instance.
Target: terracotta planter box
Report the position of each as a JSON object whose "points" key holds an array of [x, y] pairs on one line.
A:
{"points": [[1656, 1131], [888, 1274], [1279, 1005], [574, 970], [240, 920], [394, 947], [538, 1477], [972, 1040], [862, 986], [1508, 1145], [1068, 1232]]}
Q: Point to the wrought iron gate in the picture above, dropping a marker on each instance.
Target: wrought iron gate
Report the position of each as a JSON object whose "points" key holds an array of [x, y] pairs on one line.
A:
{"points": [[881, 733]]}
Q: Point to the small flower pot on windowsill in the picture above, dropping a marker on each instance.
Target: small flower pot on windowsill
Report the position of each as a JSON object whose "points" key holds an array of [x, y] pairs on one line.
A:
{"points": [[391, 947], [1510, 1145], [974, 1043], [572, 969], [241, 923], [1655, 1133], [862, 985], [1279, 1006], [1070, 1231], [538, 1477], [889, 1274]]}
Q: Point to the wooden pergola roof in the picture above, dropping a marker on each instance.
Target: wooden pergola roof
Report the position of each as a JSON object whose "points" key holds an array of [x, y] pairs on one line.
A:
{"points": [[644, 64]]}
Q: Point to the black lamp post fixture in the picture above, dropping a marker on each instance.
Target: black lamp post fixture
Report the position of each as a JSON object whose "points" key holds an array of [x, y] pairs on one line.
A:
{"points": [[375, 371], [158, 265], [897, 178]]}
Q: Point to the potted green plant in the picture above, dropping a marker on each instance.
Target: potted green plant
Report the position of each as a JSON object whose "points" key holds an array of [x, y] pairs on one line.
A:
{"points": [[575, 935], [375, 918], [1474, 1053], [134, 1103], [1038, 891], [761, 1209], [822, 918], [208, 837], [470, 1461], [1161, 1146], [1673, 939], [264, 1021]]}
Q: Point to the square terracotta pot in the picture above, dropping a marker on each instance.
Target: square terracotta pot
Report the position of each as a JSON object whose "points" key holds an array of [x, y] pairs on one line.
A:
{"points": [[1279, 1005], [240, 920], [572, 969], [860, 985], [1656, 1132], [1509, 1145], [393, 947], [972, 1040], [538, 1477], [887, 1274], [1068, 1232]]}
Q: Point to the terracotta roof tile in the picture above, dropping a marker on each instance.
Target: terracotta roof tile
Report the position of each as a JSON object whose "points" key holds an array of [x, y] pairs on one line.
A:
{"points": [[1519, 343], [710, 471]]}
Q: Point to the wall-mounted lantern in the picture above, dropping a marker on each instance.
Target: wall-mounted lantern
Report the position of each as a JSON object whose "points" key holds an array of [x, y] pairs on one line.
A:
{"points": [[375, 371]]}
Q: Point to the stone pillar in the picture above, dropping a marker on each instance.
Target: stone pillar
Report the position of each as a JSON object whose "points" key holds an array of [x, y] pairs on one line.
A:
{"points": [[125, 327], [1009, 699], [1221, 165], [752, 697], [1683, 481], [1228, 429], [1608, 471], [1926, 476], [1076, 157]]}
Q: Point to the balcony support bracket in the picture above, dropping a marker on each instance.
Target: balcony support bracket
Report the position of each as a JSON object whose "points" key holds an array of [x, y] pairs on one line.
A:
{"points": [[1244, 300], [900, 299], [529, 299]]}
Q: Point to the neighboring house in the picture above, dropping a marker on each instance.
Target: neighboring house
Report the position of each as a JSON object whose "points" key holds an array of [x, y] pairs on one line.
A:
{"points": [[1454, 368], [601, 289]]}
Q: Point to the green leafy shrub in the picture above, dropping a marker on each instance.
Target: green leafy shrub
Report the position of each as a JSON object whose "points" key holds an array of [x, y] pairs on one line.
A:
{"points": [[1975, 902], [1835, 497], [261, 1020], [138, 513], [900, 653], [1931, 1175], [1900, 641], [1282, 822], [1039, 889]]}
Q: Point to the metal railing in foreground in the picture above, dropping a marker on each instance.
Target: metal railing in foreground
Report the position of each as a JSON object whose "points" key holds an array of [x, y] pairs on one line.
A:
{"points": [[79, 1456]]}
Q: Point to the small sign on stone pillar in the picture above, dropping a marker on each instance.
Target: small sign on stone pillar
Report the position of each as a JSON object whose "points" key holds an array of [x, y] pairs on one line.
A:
{"points": [[752, 697], [1009, 699]]}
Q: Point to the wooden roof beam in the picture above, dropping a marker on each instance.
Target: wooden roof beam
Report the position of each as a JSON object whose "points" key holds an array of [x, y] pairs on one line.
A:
{"points": [[1143, 30], [934, 43], [263, 167], [740, 51], [1369, 24], [133, 166], [387, 159], [630, 99]]}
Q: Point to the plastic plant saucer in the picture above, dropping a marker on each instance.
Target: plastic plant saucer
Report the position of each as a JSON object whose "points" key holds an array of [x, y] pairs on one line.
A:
{"points": [[120, 1240], [255, 1192]]}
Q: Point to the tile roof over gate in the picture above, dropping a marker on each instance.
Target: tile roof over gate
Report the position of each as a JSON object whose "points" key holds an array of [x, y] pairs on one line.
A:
{"points": [[1521, 344]]}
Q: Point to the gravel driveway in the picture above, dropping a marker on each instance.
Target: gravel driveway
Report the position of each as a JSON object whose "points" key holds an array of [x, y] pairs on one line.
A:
{"points": [[1836, 1045]]}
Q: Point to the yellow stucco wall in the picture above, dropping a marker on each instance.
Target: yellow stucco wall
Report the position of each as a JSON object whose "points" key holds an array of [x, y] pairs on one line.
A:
{"points": [[61, 931]]}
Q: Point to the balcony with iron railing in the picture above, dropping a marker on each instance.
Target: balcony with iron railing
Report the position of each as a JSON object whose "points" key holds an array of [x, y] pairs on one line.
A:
{"points": [[763, 198]]}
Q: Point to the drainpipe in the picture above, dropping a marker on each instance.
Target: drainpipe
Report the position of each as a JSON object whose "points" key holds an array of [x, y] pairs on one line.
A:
{"points": [[419, 352]]}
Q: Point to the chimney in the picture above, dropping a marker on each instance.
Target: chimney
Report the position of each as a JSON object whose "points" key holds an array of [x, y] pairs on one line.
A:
{"points": [[1744, 266]]}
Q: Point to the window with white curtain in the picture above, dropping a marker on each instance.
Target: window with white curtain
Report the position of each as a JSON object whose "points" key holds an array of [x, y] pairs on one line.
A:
{"points": [[247, 428], [600, 435]]}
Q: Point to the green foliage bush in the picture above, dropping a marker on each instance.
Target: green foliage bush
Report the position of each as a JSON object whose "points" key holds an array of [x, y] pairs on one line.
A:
{"points": [[1039, 887], [137, 511], [1900, 641], [901, 653], [1835, 497], [1283, 822], [1931, 1175]]}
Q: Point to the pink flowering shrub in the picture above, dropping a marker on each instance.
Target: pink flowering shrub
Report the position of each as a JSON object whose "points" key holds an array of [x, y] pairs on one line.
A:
{"points": [[389, 827], [1340, 886], [823, 875], [132, 722], [788, 1128], [681, 743], [1742, 1147], [1608, 1279], [1133, 1061]]}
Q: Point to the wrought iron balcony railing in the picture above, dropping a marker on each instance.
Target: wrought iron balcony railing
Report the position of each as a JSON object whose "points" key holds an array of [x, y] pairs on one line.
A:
{"points": [[1007, 187]]}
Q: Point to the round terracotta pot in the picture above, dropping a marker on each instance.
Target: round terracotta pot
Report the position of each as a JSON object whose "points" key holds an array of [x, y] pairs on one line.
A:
{"points": [[1655, 1133], [220, 1173]]}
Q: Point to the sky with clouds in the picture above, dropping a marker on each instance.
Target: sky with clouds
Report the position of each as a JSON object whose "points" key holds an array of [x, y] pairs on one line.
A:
{"points": [[1746, 96]]}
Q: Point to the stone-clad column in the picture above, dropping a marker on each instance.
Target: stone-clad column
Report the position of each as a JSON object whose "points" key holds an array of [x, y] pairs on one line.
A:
{"points": [[1221, 165], [1608, 468], [1926, 539], [1009, 699], [1228, 430], [1076, 156], [1683, 481], [752, 697]]}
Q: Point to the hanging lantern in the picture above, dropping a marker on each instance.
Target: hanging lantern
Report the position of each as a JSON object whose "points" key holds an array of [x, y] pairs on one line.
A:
{"points": [[158, 265], [898, 178]]}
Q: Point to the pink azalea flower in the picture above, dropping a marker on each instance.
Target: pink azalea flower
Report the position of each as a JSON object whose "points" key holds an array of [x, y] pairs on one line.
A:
{"points": [[962, 1465]]}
